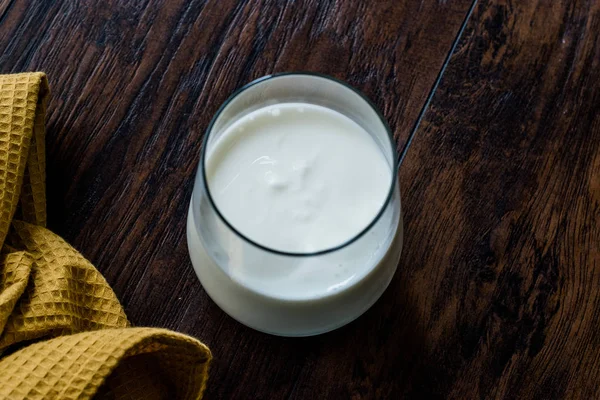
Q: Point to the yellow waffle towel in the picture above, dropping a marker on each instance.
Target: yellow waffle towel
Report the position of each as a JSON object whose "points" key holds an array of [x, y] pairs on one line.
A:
{"points": [[63, 333]]}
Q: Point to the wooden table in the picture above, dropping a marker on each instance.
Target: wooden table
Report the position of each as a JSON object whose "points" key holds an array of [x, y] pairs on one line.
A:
{"points": [[497, 294]]}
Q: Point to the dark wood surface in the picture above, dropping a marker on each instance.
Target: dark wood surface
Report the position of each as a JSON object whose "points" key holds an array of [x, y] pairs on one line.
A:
{"points": [[502, 192], [497, 294]]}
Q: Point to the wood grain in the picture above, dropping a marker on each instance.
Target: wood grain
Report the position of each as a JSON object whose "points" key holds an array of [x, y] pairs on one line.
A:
{"points": [[497, 292], [503, 218]]}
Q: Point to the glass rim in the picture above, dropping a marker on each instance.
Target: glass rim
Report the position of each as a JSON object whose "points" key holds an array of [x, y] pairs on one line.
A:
{"points": [[361, 233]]}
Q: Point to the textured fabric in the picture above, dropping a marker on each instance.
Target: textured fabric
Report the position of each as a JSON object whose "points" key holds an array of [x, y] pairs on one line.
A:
{"points": [[63, 333]]}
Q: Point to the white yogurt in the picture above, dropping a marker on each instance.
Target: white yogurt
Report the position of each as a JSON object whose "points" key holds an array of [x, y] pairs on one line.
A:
{"points": [[301, 178]]}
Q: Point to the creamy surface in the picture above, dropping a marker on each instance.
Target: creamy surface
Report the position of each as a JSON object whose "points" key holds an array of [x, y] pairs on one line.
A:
{"points": [[297, 177], [300, 178]]}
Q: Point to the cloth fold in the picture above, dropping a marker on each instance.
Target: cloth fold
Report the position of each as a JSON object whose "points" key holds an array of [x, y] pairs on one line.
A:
{"points": [[63, 332]]}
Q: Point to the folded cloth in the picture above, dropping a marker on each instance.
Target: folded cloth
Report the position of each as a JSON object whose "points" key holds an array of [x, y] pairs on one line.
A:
{"points": [[63, 333]]}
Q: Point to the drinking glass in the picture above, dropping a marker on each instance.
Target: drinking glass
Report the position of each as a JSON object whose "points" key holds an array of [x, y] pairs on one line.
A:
{"points": [[223, 257]]}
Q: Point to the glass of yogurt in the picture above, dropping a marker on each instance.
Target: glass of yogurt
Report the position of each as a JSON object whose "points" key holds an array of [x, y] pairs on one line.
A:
{"points": [[295, 225]]}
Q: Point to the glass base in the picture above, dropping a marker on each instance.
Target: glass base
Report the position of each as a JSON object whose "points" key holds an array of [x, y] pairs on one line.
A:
{"points": [[284, 317]]}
